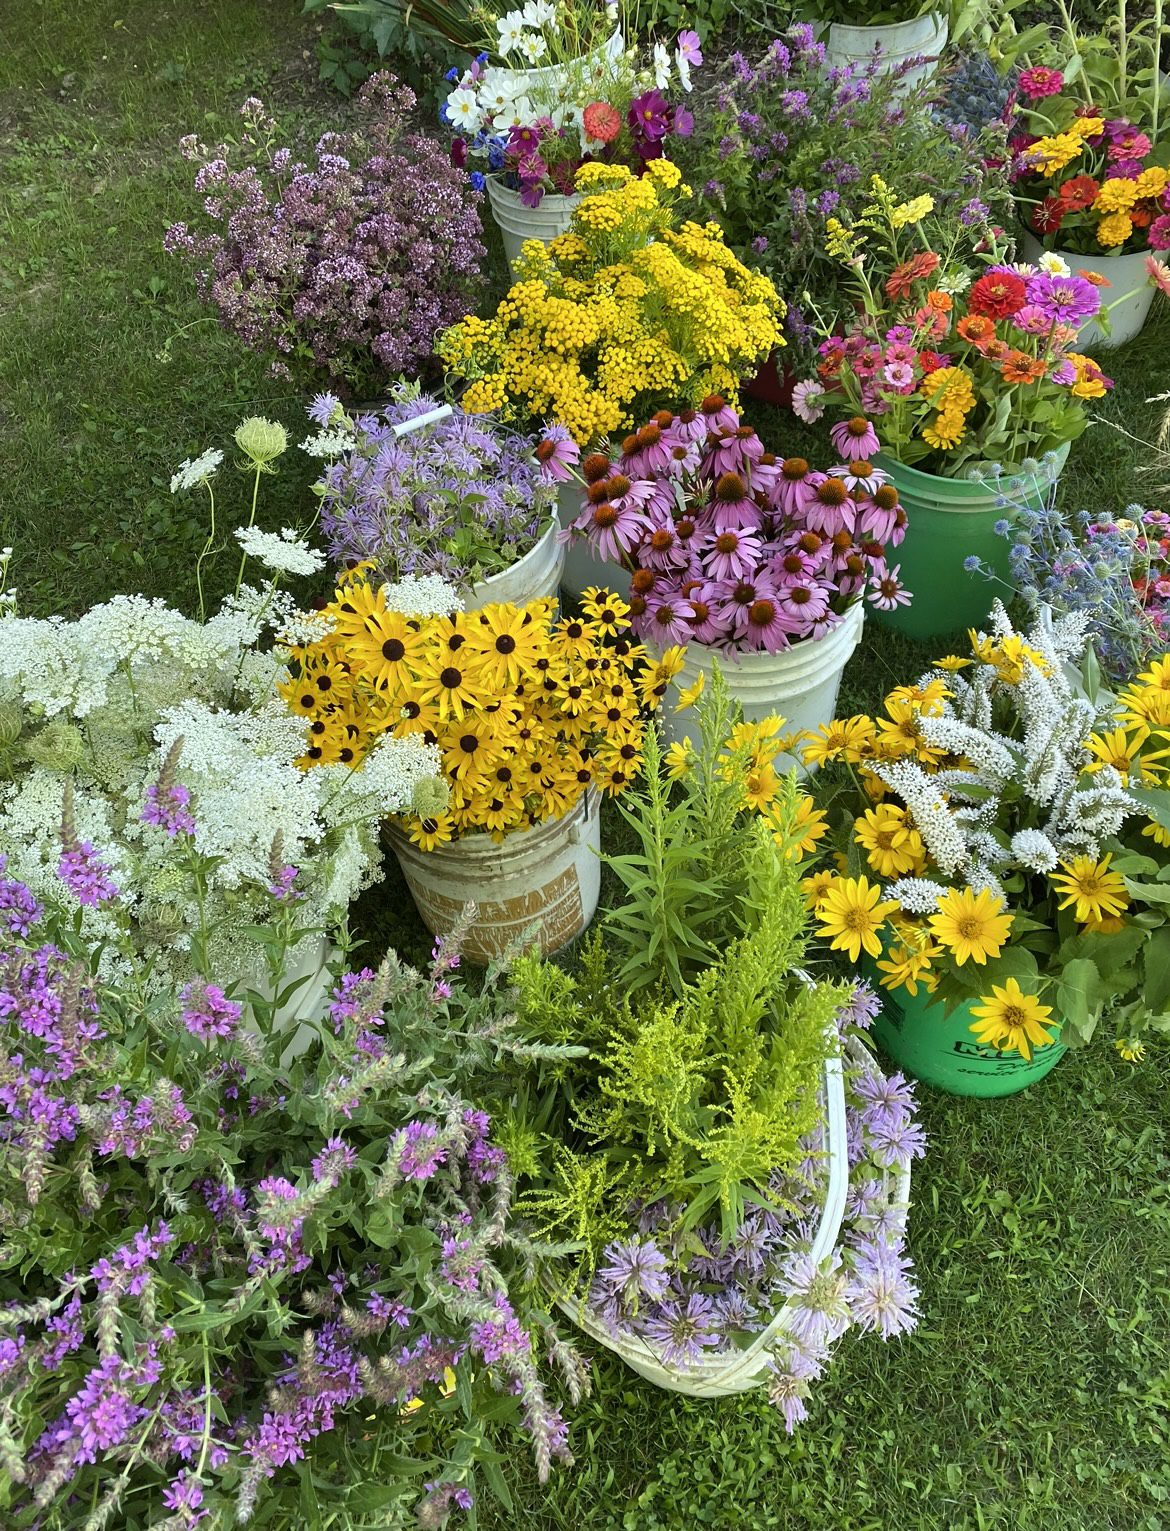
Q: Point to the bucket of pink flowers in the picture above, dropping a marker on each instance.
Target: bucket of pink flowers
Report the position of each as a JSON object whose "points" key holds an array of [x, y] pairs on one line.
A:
{"points": [[760, 562]]}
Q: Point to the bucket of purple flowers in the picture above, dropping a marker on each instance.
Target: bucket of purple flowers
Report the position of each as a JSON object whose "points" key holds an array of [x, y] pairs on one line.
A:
{"points": [[737, 554], [726, 1186]]}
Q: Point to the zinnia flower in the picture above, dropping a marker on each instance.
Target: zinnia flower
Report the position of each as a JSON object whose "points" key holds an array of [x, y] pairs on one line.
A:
{"points": [[602, 122], [1038, 82], [998, 294], [916, 269]]}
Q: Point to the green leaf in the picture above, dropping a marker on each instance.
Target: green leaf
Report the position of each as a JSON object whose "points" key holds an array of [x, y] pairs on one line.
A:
{"points": [[1079, 994], [1156, 970]]}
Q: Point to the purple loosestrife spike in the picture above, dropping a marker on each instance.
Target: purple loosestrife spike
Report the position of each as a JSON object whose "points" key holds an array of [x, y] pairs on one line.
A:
{"points": [[86, 877]]}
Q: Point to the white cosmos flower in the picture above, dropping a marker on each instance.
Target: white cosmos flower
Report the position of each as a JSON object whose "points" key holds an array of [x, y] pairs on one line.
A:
{"points": [[1054, 264], [661, 66], [196, 470], [464, 110], [538, 13], [533, 47], [498, 88], [516, 114], [511, 30], [683, 65]]}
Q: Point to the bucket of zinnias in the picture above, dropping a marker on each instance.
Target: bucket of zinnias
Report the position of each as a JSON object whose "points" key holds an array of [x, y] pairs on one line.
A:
{"points": [[534, 718], [984, 880], [419, 487], [738, 555], [732, 1173], [1094, 192], [969, 381]]}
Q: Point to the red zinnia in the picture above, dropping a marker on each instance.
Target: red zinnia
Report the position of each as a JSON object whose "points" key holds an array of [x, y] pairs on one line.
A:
{"points": [[902, 277], [1079, 192], [1047, 218], [930, 361], [602, 122], [998, 294]]}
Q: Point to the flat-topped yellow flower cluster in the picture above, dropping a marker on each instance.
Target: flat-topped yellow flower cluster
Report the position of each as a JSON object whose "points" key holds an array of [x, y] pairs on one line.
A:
{"points": [[632, 306]]}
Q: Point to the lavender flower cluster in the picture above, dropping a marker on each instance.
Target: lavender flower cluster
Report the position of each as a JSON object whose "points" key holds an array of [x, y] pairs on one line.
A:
{"points": [[462, 497], [354, 1199], [686, 1306], [787, 142], [350, 265]]}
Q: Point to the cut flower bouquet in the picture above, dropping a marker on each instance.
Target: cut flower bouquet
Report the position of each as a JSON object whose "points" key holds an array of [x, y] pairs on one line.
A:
{"points": [[527, 711], [462, 497], [729, 546], [960, 364], [987, 812], [634, 304]]}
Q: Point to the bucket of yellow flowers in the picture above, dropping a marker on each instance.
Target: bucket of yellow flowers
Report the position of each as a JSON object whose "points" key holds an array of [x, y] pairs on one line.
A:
{"points": [[635, 308], [536, 718], [980, 874]]}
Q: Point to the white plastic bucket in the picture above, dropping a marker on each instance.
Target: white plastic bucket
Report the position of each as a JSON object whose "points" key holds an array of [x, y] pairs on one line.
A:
{"points": [[302, 1014], [545, 881], [538, 573], [897, 41], [799, 683], [539, 82], [1128, 299], [518, 223], [581, 567]]}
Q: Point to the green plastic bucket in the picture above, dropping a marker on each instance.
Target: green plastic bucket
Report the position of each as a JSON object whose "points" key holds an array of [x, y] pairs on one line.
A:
{"points": [[941, 1050], [949, 519]]}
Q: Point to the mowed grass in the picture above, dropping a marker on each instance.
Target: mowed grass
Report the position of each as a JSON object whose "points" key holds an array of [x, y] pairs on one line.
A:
{"points": [[1036, 1393]]}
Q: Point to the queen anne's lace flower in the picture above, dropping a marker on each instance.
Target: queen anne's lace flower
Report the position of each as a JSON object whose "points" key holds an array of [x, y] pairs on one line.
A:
{"points": [[195, 470], [283, 554]]}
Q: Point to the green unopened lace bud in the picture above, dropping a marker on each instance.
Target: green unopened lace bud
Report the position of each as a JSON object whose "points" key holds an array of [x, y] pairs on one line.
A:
{"points": [[164, 921], [431, 797], [261, 441], [58, 747], [11, 723]]}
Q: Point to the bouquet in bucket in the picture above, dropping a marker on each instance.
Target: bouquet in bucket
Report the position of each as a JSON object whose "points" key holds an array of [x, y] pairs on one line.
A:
{"points": [[732, 547], [534, 128], [687, 1153], [979, 834], [963, 358], [1087, 181], [528, 711], [460, 497], [635, 302]]}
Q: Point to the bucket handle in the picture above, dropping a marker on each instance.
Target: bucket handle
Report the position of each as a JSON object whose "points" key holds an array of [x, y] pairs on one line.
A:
{"points": [[432, 417]]}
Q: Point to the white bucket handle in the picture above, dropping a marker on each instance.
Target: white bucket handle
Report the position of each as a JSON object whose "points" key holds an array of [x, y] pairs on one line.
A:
{"points": [[432, 417]]}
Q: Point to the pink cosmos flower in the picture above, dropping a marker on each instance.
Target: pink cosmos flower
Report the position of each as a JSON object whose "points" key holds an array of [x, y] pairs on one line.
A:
{"points": [[688, 47]]}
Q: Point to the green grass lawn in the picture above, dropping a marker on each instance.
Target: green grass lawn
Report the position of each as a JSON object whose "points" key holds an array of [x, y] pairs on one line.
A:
{"points": [[1036, 1393]]}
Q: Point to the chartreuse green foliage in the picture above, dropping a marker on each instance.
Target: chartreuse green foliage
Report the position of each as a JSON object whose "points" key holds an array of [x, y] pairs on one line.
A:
{"points": [[703, 1060]]}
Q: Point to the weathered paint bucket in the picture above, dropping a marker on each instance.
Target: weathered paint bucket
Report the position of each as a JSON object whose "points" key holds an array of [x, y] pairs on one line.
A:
{"points": [[1128, 298], [924, 36], [518, 223], [537, 574]]}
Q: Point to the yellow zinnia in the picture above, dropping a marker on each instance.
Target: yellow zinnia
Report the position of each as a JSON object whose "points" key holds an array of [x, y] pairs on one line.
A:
{"points": [[971, 925], [852, 912], [906, 214], [1091, 887], [1012, 1020]]}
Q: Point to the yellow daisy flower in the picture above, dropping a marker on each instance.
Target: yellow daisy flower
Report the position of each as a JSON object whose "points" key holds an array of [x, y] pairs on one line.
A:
{"points": [[691, 694], [851, 912], [1012, 1020], [1088, 884], [905, 967], [815, 886], [843, 739], [892, 846], [972, 926], [678, 758], [1131, 1051]]}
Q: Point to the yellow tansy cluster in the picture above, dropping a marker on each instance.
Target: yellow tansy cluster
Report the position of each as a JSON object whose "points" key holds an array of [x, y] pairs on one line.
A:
{"points": [[528, 710], [633, 305]]}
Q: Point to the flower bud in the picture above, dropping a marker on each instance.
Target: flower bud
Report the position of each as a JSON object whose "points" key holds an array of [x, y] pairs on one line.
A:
{"points": [[260, 440], [11, 723], [58, 747]]}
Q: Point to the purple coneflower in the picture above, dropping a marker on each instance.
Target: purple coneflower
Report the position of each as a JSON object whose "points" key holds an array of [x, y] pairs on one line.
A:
{"points": [[854, 438], [887, 592], [557, 452]]}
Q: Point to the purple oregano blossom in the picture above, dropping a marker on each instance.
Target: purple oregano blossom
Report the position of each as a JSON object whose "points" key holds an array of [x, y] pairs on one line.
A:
{"points": [[355, 262]]}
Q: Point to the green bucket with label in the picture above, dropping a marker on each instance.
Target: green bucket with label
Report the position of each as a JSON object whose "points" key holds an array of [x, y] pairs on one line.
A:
{"points": [[942, 1050], [948, 521]]}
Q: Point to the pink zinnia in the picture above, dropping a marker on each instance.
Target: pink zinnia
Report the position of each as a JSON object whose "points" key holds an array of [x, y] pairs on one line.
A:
{"points": [[854, 438], [1038, 82], [806, 401], [899, 375], [1157, 271], [1159, 239]]}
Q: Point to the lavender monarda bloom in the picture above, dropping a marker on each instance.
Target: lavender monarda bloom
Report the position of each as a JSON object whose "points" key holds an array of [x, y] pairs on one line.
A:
{"points": [[355, 261], [462, 497]]}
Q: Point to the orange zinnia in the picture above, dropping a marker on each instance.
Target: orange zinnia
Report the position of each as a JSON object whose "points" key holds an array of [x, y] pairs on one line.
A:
{"points": [[996, 349], [903, 277], [941, 302], [977, 328], [1096, 278], [1019, 367]]}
